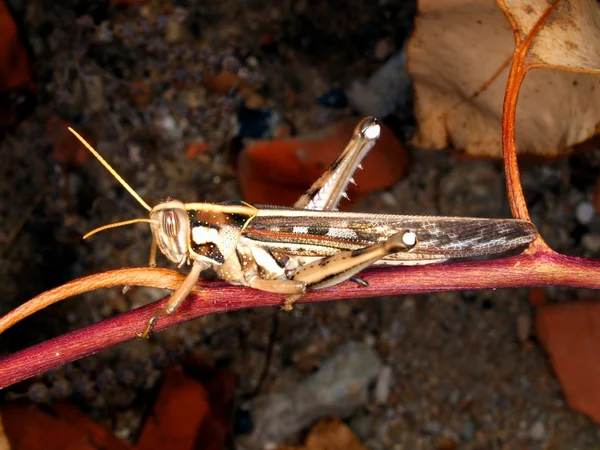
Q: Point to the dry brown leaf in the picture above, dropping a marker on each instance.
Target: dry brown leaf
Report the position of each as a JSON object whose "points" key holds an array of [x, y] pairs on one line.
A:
{"points": [[458, 59], [566, 38]]}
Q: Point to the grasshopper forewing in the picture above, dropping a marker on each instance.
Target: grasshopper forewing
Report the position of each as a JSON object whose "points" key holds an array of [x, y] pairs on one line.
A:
{"points": [[311, 246]]}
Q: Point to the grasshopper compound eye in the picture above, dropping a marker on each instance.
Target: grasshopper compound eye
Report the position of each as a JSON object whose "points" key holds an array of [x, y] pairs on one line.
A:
{"points": [[170, 223]]}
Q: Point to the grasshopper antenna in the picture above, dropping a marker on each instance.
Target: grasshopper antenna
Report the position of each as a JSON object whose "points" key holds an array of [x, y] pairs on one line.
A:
{"points": [[114, 174], [117, 224]]}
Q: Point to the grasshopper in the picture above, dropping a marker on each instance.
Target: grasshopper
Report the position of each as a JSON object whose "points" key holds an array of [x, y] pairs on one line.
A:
{"points": [[310, 245]]}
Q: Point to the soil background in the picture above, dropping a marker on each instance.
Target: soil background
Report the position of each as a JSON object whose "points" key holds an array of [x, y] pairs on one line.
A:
{"points": [[465, 365]]}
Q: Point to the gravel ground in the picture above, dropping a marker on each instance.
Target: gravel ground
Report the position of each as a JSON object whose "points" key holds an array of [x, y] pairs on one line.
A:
{"points": [[465, 367]]}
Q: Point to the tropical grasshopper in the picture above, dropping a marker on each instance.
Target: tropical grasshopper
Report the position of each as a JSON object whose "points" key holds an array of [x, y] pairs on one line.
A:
{"points": [[312, 245]]}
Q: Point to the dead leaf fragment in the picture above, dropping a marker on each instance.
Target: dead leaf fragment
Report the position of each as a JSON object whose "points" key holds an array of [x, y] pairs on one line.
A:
{"points": [[181, 408], [31, 428], [569, 333], [459, 57], [278, 171], [224, 82], [15, 68]]}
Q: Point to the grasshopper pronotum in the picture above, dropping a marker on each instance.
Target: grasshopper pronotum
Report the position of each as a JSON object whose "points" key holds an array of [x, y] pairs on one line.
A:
{"points": [[312, 245]]}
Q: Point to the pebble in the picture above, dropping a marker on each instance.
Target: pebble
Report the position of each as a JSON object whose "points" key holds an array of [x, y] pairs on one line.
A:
{"points": [[537, 431], [467, 431], [175, 30], [383, 49], [38, 393], [383, 386], [432, 427], [336, 389], [591, 242], [170, 128], [61, 388], [585, 213]]}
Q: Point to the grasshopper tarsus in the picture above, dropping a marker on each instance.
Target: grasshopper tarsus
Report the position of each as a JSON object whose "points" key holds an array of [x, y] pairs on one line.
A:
{"points": [[148, 331], [288, 305], [359, 281]]}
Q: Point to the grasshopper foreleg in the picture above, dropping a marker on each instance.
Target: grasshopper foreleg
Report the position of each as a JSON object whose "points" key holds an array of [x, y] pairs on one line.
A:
{"points": [[177, 297], [334, 269]]}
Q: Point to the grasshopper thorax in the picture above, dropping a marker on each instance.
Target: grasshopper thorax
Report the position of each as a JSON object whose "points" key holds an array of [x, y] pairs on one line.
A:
{"points": [[171, 229]]}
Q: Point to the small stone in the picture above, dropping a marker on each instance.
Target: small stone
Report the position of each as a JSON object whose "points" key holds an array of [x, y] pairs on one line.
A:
{"points": [[339, 387], [591, 242], [584, 213], [467, 431], [171, 130], [105, 380], [432, 427], [384, 48], [175, 31], [454, 397], [370, 340], [38, 393], [537, 431], [61, 388], [383, 385]]}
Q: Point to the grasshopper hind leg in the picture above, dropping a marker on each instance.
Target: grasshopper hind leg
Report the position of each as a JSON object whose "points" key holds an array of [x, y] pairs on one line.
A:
{"points": [[335, 269]]}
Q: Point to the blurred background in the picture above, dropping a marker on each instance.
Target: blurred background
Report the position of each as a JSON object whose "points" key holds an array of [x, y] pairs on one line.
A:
{"points": [[247, 99]]}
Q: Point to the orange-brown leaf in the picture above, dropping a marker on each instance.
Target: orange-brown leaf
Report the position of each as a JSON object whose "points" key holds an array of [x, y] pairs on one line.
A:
{"points": [[15, 68], [30, 428], [180, 409], [279, 171], [569, 332]]}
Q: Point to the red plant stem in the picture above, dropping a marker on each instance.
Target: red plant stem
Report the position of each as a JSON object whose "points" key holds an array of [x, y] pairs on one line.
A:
{"points": [[516, 199], [517, 73], [545, 267]]}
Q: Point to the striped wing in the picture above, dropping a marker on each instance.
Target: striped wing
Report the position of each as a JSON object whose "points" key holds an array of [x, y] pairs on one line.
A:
{"points": [[314, 233]]}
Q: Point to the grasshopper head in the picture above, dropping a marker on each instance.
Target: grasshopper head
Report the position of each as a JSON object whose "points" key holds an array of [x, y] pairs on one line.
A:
{"points": [[171, 229]]}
